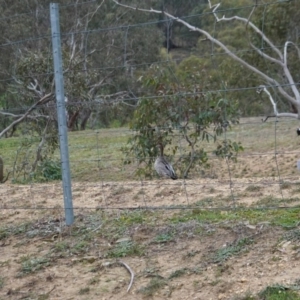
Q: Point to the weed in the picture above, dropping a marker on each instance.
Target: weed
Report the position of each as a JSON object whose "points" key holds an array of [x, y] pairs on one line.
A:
{"points": [[61, 246], [31, 265], [288, 218], [247, 296], [222, 268], [84, 291], [126, 249], [215, 282], [296, 191], [2, 279], [212, 190], [191, 254], [94, 280], [253, 188], [120, 190], [43, 297], [163, 238], [200, 216], [183, 271], [179, 273], [80, 247], [292, 235], [48, 170], [205, 202], [285, 185], [153, 286], [131, 218], [3, 233], [224, 253], [278, 292]]}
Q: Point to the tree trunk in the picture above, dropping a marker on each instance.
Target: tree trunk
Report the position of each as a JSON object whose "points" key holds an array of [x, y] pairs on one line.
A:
{"points": [[72, 121], [86, 116]]}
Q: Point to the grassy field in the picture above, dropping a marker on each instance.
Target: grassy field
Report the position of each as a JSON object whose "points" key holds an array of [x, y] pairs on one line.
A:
{"points": [[218, 235], [96, 154]]}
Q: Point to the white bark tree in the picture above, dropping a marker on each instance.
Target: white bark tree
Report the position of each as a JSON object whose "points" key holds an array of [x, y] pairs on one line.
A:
{"points": [[289, 91]]}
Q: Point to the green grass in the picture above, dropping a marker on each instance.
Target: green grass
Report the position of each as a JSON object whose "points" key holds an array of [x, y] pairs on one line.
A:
{"points": [[96, 154], [278, 292], [287, 218]]}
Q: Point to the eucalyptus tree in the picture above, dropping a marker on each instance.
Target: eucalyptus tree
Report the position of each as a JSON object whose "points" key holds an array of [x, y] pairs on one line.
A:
{"points": [[177, 114], [274, 66], [283, 76], [100, 51]]}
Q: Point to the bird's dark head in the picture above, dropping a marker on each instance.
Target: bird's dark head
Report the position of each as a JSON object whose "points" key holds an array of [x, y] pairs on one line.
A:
{"points": [[298, 131], [160, 147]]}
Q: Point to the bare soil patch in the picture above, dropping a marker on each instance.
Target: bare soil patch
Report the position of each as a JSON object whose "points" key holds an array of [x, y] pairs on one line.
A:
{"points": [[41, 258]]}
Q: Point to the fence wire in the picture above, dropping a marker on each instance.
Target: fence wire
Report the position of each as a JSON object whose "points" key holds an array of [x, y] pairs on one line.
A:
{"points": [[265, 175]]}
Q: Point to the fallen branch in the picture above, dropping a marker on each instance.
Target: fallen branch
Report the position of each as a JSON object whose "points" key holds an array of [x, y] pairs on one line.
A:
{"points": [[131, 274]]}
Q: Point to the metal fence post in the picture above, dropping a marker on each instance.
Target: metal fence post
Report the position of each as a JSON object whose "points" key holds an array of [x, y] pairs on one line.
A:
{"points": [[61, 113]]}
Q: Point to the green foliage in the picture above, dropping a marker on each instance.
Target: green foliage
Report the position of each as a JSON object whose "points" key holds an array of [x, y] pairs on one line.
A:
{"points": [[33, 158], [180, 112], [48, 170]]}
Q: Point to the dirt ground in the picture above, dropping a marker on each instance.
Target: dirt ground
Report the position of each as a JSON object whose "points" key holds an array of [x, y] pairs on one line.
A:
{"points": [[180, 268]]}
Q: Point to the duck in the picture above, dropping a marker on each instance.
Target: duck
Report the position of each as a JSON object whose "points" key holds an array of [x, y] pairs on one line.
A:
{"points": [[162, 166]]}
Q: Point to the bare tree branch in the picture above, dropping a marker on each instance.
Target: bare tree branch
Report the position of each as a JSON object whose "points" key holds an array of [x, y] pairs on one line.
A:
{"points": [[247, 21], [35, 88], [262, 88], [281, 61], [40, 147], [269, 79], [93, 87], [4, 113], [43, 100]]}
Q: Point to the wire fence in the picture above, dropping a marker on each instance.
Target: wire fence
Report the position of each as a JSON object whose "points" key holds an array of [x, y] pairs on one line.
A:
{"points": [[265, 175]]}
